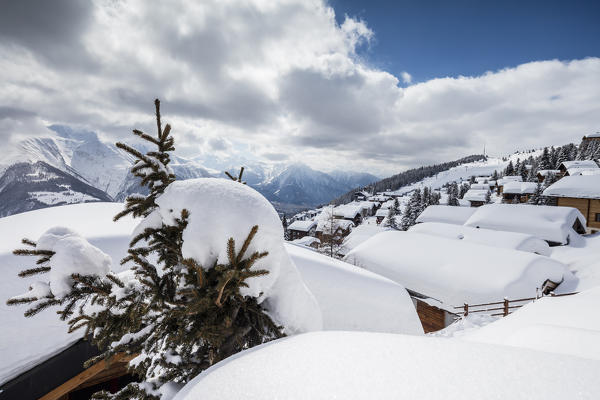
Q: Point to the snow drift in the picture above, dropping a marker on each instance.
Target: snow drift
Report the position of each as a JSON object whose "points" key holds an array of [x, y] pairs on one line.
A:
{"points": [[565, 325], [360, 365], [354, 299]]}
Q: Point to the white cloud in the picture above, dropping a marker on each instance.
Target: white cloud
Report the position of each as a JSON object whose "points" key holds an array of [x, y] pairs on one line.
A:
{"points": [[281, 78], [406, 77]]}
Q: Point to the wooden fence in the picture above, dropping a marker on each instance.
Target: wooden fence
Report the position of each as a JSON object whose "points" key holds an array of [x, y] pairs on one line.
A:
{"points": [[504, 307]]}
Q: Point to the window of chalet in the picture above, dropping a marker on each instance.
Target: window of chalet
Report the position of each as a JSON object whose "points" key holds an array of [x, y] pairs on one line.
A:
{"points": [[597, 217]]}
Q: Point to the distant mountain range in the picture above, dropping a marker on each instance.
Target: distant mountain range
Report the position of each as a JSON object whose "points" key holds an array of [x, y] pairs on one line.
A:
{"points": [[72, 166]]}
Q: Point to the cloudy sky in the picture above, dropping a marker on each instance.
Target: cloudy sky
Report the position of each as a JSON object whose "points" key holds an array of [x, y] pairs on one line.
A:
{"points": [[340, 84]]}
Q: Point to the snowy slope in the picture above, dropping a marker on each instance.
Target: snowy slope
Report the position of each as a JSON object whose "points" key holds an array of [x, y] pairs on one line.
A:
{"points": [[360, 365], [30, 186], [333, 282]]}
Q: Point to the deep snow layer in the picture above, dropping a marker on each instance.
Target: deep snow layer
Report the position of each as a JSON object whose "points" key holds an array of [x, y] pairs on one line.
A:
{"points": [[565, 325], [354, 299], [360, 365], [488, 237], [456, 272]]}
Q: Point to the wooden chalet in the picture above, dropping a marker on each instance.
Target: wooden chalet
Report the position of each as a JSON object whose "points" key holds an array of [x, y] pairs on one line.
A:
{"points": [[300, 229], [568, 168], [518, 192], [581, 192], [502, 181], [594, 137], [544, 173]]}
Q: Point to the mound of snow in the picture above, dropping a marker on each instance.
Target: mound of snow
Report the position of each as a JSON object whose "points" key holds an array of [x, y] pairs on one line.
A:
{"points": [[73, 254], [359, 235], [361, 365], [488, 237], [565, 325], [456, 272], [553, 224], [354, 299], [221, 209], [446, 214]]}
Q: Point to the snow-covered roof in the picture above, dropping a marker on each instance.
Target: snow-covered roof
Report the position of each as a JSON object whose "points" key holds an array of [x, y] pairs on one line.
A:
{"points": [[446, 214], [482, 179], [593, 135], [570, 165], [303, 226], [368, 365], [553, 224], [476, 195], [349, 210], [578, 186], [453, 271], [519, 187], [584, 171], [509, 178], [546, 172], [359, 235], [306, 241], [323, 223], [383, 306], [480, 186], [550, 324], [502, 239], [382, 212]]}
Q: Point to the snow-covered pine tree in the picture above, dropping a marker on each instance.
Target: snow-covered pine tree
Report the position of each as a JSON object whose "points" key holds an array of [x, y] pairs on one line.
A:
{"points": [[175, 316], [393, 213], [488, 197], [284, 223], [464, 188], [510, 169], [495, 176], [453, 194], [523, 171], [545, 161], [537, 197]]}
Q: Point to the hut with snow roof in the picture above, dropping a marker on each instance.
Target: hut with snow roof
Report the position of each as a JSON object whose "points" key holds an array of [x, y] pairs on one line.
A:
{"points": [[518, 192], [567, 168], [594, 137], [458, 272], [300, 229], [581, 192]]}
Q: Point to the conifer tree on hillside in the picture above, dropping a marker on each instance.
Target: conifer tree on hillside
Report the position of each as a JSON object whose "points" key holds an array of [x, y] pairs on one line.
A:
{"points": [[545, 161], [464, 188], [453, 194], [537, 197], [523, 172], [510, 169], [175, 316], [284, 223], [495, 176]]}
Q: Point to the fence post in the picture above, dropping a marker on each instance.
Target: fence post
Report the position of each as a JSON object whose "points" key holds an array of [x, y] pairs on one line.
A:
{"points": [[505, 306], [466, 309]]}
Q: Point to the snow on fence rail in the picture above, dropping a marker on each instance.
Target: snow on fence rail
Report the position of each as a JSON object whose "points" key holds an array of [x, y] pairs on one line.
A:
{"points": [[505, 305]]}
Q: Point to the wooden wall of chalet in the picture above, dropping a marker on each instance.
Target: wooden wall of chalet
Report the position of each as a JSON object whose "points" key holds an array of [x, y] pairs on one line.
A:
{"points": [[588, 207], [432, 318]]}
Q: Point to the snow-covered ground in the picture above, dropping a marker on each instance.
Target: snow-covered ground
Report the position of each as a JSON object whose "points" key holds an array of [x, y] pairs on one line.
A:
{"points": [[366, 365], [26, 342]]}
